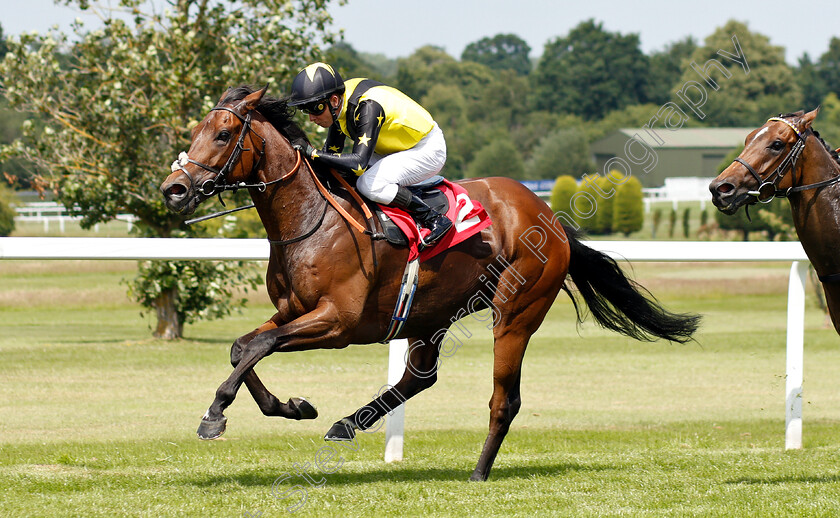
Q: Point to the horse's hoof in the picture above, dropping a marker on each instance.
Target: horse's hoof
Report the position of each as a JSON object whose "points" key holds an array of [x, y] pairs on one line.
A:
{"points": [[343, 430], [303, 408], [209, 429]]}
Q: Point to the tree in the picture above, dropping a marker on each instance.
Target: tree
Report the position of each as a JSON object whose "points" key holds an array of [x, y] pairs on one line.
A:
{"points": [[501, 52], [744, 99], [829, 67], [564, 150], [417, 73], [497, 158], [7, 213], [503, 101], [115, 118], [3, 47], [10, 122], [350, 63], [810, 82], [829, 120], [628, 209], [633, 116], [666, 68], [590, 72]]}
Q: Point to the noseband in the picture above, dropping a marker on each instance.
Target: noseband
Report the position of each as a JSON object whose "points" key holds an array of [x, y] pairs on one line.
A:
{"points": [[768, 187]]}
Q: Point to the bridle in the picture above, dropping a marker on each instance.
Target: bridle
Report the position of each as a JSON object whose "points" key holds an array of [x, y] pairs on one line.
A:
{"points": [[217, 184], [768, 187]]}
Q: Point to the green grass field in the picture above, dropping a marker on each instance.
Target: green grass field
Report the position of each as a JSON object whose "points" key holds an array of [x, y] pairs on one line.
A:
{"points": [[98, 419]]}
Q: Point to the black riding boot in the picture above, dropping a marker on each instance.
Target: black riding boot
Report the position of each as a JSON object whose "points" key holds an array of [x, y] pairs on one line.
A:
{"points": [[426, 216]]}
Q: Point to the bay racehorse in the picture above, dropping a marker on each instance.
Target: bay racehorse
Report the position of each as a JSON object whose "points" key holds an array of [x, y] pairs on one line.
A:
{"points": [[787, 158], [334, 286]]}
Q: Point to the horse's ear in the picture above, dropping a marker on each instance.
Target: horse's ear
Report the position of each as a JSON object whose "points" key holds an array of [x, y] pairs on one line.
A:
{"points": [[252, 100], [809, 117]]}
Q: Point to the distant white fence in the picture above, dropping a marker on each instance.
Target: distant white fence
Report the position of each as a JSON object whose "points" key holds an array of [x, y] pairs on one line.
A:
{"points": [[38, 248], [678, 189], [674, 190], [47, 212]]}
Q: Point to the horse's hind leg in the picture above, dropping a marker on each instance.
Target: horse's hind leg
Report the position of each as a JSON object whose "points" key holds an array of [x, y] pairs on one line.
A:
{"points": [[520, 313], [295, 408], [506, 401], [420, 374]]}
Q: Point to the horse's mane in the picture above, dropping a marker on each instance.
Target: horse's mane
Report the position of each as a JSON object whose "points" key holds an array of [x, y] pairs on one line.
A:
{"points": [[831, 150], [277, 111]]}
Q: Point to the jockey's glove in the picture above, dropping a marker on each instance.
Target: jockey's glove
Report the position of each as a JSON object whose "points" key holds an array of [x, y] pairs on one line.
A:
{"points": [[306, 149]]}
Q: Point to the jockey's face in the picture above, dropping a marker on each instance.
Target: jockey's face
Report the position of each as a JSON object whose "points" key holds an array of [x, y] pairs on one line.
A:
{"points": [[325, 118]]}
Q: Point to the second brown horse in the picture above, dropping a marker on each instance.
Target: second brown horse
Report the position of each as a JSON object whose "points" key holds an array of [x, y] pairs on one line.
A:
{"points": [[333, 286]]}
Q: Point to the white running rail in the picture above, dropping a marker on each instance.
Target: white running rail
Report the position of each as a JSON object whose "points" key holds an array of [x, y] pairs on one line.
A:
{"points": [[40, 248]]}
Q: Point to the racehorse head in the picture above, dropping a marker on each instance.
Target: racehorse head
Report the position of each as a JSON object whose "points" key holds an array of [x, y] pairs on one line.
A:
{"points": [[225, 152], [761, 170]]}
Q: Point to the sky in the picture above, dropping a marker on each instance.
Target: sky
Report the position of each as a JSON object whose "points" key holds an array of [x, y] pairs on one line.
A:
{"points": [[396, 28]]}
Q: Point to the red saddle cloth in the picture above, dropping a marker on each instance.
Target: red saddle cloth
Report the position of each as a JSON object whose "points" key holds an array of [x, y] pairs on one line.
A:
{"points": [[468, 218]]}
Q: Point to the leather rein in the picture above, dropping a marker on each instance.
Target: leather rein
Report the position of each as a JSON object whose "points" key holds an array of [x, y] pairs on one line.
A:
{"points": [[217, 184]]}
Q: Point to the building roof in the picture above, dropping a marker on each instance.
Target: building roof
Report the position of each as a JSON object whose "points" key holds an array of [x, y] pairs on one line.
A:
{"points": [[691, 137]]}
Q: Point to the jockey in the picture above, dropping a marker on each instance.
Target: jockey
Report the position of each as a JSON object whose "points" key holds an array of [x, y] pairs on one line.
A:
{"points": [[396, 143]]}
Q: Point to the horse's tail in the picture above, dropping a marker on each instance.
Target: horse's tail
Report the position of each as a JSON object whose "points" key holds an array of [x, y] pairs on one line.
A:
{"points": [[619, 303]]}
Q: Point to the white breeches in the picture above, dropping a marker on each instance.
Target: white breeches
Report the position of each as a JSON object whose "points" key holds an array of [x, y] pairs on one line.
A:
{"points": [[379, 183]]}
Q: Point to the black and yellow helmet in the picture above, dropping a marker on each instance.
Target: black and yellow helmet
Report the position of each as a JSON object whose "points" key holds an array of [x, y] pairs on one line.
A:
{"points": [[315, 83]]}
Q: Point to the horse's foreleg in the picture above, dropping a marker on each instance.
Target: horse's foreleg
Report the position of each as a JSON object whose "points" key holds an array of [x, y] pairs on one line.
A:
{"points": [[295, 408], [317, 329], [420, 374]]}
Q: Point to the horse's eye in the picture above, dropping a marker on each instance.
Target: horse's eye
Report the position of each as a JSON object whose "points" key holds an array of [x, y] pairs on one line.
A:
{"points": [[223, 136], [777, 145]]}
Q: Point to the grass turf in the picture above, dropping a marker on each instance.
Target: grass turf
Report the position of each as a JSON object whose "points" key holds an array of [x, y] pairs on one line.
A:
{"points": [[99, 419]]}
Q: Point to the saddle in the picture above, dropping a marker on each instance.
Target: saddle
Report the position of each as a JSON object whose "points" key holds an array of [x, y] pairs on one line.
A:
{"points": [[428, 192], [397, 226]]}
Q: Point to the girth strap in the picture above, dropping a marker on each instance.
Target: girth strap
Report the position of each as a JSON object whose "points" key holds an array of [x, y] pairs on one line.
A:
{"points": [[834, 277]]}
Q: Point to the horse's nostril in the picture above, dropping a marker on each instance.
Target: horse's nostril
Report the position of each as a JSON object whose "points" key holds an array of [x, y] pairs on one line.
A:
{"points": [[724, 188], [176, 190]]}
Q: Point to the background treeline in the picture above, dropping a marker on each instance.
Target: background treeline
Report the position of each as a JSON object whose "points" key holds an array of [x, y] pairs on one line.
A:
{"points": [[507, 114]]}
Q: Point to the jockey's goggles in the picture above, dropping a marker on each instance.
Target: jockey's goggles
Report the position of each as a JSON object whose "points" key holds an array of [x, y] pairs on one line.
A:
{"points": [[316, 108]]}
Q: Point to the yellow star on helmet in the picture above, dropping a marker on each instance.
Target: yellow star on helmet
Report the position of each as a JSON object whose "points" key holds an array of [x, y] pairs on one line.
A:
{"points": [[364, 139], [313, 68], [359, 171]]}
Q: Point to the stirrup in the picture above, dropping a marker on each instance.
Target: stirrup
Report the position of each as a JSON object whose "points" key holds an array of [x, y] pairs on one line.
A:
{"points": [[429, 240]]}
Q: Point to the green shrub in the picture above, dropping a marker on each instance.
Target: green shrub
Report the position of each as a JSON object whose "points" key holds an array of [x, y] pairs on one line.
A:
{"points": [[605, 206], [628, 212], [561, 194]]}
